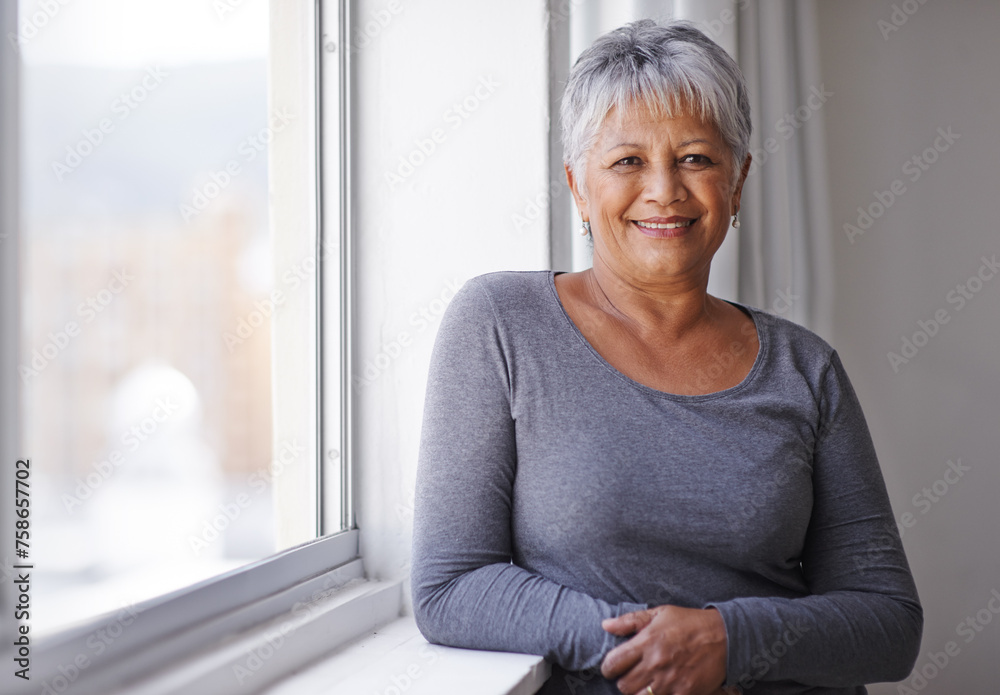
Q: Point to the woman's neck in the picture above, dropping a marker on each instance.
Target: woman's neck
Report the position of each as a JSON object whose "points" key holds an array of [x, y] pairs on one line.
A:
{"points": [[670, 308]]}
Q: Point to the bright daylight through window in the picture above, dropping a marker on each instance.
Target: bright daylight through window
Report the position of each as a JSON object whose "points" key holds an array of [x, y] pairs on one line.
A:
{"points": [[148, 293]]}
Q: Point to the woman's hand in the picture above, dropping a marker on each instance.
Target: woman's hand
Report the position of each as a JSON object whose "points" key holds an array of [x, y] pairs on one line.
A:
{"points": [[681, 651]]}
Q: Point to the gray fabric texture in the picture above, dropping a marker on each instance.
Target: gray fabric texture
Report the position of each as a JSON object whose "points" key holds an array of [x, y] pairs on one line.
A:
{"points": [[553, 492]]}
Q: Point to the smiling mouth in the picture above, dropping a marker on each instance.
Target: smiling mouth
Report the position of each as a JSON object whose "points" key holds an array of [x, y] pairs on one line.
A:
{"points": [[667, 225], [663, 230]]}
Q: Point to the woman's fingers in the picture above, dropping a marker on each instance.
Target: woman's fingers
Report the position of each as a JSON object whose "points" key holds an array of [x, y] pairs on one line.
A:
{"points": [[623, 657], [627, 624], [677, 650], [620, 660]]}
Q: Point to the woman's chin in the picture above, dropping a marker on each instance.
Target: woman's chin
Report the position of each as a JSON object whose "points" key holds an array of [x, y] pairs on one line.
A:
{"points": [[660, 270]]}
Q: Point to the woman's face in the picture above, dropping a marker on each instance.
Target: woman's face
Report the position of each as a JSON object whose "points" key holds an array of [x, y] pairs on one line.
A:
{"points": [[659, 194]]}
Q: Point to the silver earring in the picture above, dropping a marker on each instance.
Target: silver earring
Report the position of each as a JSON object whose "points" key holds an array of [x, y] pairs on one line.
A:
{"points": [[585, 229], [736, 220]]}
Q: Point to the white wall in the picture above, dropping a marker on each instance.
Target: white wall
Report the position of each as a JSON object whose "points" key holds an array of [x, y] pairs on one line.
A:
{"points": [[447, 221], [940, 69]]}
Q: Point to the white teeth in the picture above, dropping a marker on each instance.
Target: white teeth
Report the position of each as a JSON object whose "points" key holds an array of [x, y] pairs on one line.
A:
{"points": [[671, 225]]}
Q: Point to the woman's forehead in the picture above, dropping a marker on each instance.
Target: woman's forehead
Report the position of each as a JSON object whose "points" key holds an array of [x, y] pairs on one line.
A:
{"points": [[643, 119]]}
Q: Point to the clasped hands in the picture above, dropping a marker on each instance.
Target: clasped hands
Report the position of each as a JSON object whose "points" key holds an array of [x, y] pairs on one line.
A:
{"points": [[673, 651]]}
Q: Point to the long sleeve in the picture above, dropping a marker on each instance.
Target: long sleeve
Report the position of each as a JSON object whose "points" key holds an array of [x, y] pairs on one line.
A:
{"points": [[553, 491], [863, 621], [466, 591]]}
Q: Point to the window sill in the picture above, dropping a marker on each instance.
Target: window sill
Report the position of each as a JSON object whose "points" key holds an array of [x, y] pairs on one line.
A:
{"points": [[264, 629], [266, 653], [396, 659]]}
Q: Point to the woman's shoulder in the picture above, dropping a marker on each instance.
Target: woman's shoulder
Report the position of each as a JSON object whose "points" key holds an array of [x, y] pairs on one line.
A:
{"points": [[507, 293], [786, 329], [503, 297], [513, 284], [792, 345]]}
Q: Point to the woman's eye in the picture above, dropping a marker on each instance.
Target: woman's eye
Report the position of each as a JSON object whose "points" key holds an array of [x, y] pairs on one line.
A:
{"points": [[628, 161], [697, 159]]}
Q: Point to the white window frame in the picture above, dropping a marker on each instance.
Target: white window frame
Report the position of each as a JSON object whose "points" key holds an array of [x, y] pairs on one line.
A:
{"points": [[280, 613], [310, 224]]}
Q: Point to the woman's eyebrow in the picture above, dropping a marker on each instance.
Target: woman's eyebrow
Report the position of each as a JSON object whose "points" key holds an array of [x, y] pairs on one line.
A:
{"points": [[623, 144], [685, 143], [695, 140]]}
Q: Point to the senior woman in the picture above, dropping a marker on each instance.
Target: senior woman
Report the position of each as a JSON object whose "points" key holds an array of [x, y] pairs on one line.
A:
{"points": [[660, 491]]}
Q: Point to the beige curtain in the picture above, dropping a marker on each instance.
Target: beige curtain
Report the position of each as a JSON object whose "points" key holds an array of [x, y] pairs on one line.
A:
{"points": [[785, 239]]}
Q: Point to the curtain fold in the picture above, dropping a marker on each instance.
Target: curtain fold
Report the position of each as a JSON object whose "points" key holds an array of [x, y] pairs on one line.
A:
{"points": [[785, 239]]}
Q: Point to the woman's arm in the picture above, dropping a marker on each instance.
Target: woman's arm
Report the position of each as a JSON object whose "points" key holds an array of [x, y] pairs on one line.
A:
{"points": [[466, 592], [863, 622]]}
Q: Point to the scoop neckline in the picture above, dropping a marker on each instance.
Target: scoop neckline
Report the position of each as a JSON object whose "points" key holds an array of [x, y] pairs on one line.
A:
{"points": [[762, 346]]}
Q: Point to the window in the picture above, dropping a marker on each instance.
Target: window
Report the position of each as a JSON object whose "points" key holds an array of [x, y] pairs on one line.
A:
{"points": [[147, 288], [183, 331]]}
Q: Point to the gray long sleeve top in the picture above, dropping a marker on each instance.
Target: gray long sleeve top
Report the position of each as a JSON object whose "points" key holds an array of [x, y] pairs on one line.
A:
{"points": [[553, 491]]}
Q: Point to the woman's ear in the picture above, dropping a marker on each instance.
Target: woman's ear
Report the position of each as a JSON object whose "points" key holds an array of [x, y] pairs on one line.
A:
{"points": [[738, 191], [575, 186]]}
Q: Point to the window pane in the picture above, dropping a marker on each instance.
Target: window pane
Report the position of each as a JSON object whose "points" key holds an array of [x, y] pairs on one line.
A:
{"points": [[146, 341]]}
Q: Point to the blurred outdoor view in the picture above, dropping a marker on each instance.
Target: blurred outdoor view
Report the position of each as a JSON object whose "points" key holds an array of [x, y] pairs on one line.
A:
{"points": [[145, 358]]}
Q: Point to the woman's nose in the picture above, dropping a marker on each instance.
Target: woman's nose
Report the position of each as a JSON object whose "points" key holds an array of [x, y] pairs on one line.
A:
{"points": [[664, 185]]}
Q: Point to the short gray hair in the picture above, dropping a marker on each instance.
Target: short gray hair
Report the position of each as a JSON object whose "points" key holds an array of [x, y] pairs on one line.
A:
{"points": [[661, 66]]}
